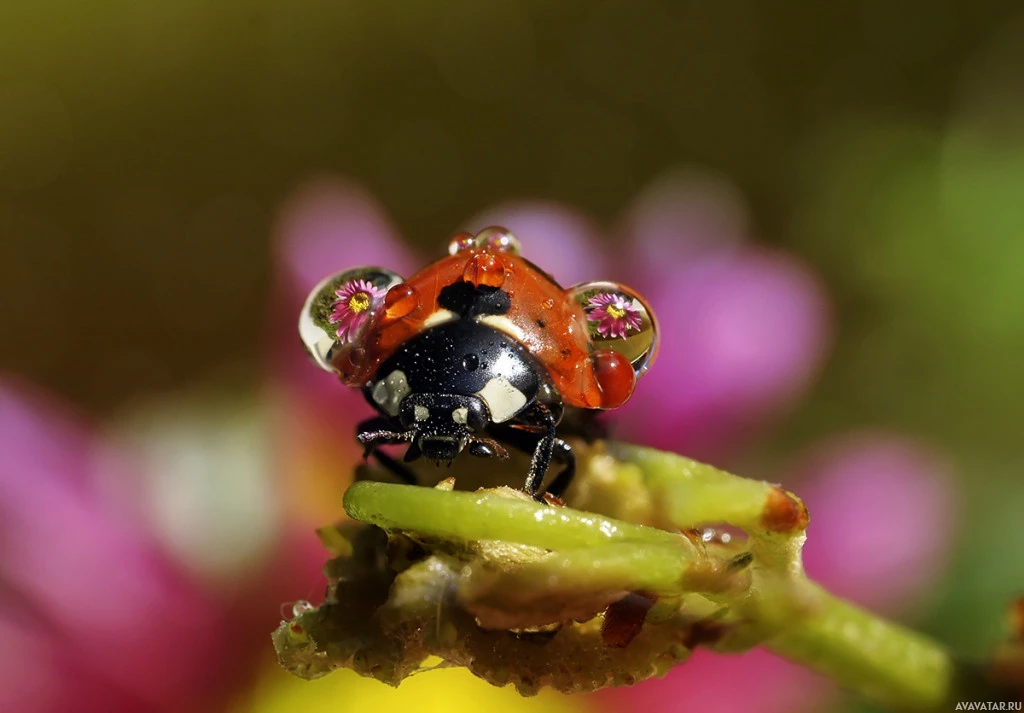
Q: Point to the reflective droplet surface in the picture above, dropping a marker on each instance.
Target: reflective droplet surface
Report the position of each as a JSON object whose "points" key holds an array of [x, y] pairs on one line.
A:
{"points": [[400, 301], [460, 242], [619, 319], [338, 311], [485, 269], [498, 239]]}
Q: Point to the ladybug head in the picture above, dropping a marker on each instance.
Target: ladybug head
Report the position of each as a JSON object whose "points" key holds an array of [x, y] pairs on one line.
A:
{"points": [[444, 424]]}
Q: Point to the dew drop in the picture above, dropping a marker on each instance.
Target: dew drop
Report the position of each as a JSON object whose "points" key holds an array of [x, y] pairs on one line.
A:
{"points": [[619, 319], [460, 242], [614, 375], [485, 269], [400, 301], [499, 239], [339, 310]]}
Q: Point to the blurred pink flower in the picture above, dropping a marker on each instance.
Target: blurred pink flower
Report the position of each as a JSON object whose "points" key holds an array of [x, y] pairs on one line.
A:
{"points": [[93, 615], [742, 336], [883, 518], [744, 331]]}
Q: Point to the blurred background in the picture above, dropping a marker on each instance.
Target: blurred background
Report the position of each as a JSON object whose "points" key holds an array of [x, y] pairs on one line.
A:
{"points": [[824, 202]]}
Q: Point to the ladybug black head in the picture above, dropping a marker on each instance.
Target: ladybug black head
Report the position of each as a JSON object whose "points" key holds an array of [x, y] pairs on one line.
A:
{"points": [[443, 423]]}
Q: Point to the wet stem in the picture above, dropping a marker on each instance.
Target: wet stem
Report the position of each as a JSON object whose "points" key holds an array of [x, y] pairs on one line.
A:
{"points": [[646, 499]]}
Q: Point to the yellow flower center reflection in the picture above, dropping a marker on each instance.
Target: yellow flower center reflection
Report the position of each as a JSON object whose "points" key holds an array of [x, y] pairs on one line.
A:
{"points": [[359, 302], [615, 312]]}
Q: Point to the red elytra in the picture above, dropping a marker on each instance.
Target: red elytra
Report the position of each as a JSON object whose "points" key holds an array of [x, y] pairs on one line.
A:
{"points": [[542, 317]]}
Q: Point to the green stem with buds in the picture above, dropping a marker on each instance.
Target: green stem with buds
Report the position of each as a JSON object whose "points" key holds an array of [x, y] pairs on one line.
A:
{"points": [[630, 577]]}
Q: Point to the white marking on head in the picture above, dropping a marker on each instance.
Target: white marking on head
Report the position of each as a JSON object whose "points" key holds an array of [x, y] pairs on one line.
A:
{"points": [[389, 392], [437, 317], [460, 415], [420, 413], [503, 400]]}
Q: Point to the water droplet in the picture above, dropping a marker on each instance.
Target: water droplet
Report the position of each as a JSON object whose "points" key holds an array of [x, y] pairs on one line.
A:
{"points": [[400, 301], [339, 310], [460, 242], [614, 375], [619, 319], [499, 239], [485, 269]]}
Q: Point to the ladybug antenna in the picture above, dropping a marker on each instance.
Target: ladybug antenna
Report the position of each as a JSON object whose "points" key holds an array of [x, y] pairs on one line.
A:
{"points": [[372, 439]]}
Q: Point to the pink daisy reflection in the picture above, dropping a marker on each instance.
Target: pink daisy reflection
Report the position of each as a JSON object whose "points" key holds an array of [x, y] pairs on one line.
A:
{"points": [[613, 315], [745, 330], [355, 304]]}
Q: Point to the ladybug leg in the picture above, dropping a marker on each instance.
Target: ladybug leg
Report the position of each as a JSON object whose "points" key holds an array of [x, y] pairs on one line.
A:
{"points": [[540, 445], [550, 448], [372, 433], [539, 416], [546, 447], [562, 453], [539, 466]]}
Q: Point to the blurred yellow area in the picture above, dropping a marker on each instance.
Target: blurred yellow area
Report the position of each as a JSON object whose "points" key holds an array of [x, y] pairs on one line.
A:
{"points": [[435, 691]]}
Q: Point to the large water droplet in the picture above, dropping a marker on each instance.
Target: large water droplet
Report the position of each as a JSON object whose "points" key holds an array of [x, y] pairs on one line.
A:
{"points": [[339, 310], [618, 318]]}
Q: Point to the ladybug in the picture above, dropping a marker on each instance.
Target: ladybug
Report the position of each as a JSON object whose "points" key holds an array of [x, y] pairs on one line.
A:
{"points": [[480, 350]]}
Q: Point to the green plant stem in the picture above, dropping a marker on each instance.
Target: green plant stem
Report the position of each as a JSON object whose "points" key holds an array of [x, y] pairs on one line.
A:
{"points": [[798, 619], [867, 654], [486, 516]]}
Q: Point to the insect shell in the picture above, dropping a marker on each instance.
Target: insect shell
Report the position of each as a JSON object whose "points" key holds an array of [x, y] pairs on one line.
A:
{"points": [[479, 350]]}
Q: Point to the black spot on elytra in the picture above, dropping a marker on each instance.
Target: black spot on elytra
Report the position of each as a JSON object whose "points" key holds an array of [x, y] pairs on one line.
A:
{"points": [[468, 300]]}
